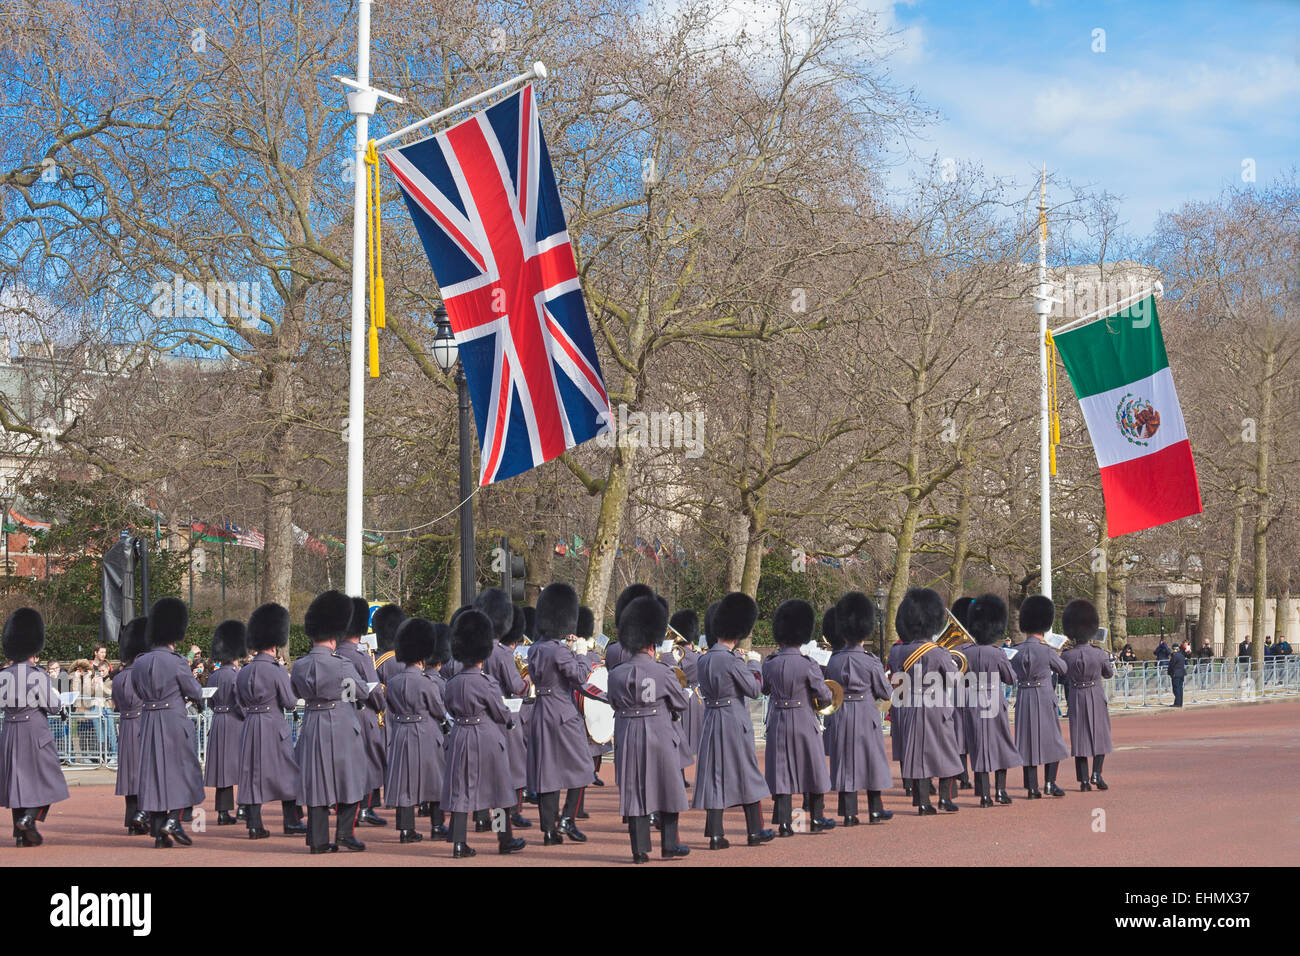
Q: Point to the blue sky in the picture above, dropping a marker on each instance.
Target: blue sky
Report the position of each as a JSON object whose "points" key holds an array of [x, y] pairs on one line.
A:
{"points": [[1182, 94]]}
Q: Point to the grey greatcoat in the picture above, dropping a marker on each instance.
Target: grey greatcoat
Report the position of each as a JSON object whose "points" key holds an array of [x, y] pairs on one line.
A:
{"points": [[170, 776], [477, 775], [590, 661], [857, 745], [727, 773], [927, 714], [894, 664], [30, 776], [372, 735], [222, 766], [828, 722], [693, 719], [959, 724], [645, 694], [331, 752], [415, 740], [501, 668], [268, 769], [1089, 719], [556, 735], [794, 756], [1038, 728], [988, 728], [127, 704]]}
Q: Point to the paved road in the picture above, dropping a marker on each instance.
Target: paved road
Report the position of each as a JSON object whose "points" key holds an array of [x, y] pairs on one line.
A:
{"points": [[1211, 786]]}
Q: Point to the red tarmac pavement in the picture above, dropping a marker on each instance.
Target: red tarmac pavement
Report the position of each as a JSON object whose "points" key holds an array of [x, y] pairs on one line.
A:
{"points": [[1211, 786]]}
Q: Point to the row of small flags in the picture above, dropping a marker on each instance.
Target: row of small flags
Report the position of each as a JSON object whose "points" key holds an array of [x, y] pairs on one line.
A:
{"points": [[243, 537], [658, 551]]}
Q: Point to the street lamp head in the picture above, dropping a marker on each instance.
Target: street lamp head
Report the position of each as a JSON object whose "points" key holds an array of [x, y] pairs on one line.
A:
{"points": [[445, 352]]}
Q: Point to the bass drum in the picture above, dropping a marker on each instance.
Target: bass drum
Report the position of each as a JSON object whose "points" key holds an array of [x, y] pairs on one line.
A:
{"points": [[599, 716]]}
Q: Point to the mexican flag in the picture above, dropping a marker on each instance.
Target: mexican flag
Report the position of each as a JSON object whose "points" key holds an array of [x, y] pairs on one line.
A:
{"points": [[1120, 373]]}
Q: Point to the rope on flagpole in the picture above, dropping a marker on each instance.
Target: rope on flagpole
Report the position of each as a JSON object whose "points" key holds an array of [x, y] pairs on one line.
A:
{"points": [[419, 527], [374, 221]]}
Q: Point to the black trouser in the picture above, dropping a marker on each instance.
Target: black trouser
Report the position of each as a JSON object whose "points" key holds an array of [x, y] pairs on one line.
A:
{"points": [[1049, 772], [596, 763], [436, 816], [225, 799], [548, 806], [783, 808], [1178, 691], [1000, 780], [288, 809], [318, 823], [753, 820], [460, 826], [405, 818], [638, 830], [964, 776], [253, 816], [1081, 769], [20, 812], [1031, 778], [158, 817], [132, 808], [372, 800], [982, 783], [1096, 763]]}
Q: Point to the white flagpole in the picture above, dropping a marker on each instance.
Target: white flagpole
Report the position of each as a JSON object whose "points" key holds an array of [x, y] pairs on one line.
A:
{"points": [[1043, 306], [538, 71]]}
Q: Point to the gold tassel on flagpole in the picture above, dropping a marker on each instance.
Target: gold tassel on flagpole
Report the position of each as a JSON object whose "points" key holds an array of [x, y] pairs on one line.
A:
{"points": [[1054, 420], [374, 218]]}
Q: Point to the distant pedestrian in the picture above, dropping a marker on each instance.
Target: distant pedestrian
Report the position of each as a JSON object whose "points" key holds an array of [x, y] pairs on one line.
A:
{"points": [[1177, 671]]}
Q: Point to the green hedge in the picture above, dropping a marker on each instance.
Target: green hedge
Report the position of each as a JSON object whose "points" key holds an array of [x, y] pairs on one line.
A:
{"points": [[67, 642], [1138, 626]]}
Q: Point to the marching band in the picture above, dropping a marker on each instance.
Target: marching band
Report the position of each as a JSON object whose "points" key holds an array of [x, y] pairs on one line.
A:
{"points": [[461, 719]]}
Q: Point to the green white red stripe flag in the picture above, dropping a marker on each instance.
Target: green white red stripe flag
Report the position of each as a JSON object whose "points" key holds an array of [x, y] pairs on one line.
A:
{"points": [[1120, 373]]}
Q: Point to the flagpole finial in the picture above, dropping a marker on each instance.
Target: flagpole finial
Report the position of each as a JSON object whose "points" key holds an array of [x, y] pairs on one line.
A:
{"points": [[539, 70]]}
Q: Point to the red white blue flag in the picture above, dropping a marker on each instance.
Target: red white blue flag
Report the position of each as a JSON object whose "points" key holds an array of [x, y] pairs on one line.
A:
{"points": [[484, 201]]}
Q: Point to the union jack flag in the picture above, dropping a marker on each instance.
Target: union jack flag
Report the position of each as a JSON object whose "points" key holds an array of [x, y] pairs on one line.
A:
{"points": [[485, 204]]}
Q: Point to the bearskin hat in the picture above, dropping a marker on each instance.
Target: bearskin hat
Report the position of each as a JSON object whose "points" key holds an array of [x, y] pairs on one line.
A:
{"points": [[359, 622], [132, 642], [24, 634], [385, 623], [472, 638], [229, 642], [735, 617], [328, 617], [920, 616], [662, 600], [961, 610], [415, 640], [268, 627], [643, 623], [458, 612], [557, 612], [495, 603], [168, 619], [687, 624], [441, 645], [829, 630], [628, 595], [986, 618], [1036, 615], [1080, 622], [793, 622], [586, 622], [855, 618], [710, 614], [530, 621]]}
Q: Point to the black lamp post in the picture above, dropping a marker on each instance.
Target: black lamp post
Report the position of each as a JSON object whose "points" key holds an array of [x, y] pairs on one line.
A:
{"points": [[881, 594], [446, 354]]}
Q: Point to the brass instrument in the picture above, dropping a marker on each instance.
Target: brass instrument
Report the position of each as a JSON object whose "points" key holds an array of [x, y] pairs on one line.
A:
{"points": [[681, 676], [953, 636], [521, 665], [826, 708]]}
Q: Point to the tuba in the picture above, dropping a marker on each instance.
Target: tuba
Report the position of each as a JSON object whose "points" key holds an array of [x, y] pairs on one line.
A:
{"points": [[953, 636], [825, 708]]}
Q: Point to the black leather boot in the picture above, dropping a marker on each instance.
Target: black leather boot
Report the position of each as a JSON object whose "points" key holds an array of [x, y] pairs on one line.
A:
{"points": [[570, 830], [948, 790], [921, 797]]}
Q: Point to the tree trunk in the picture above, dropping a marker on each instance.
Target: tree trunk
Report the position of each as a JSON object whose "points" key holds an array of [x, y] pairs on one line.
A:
{"points": [[1234, 572], [961, 539], [453, 577], [1209, 605], [1101, 584], [1261, 511], [613, 503], [902, 570], [1281, 615], [754, 554], [737, 552], [1119, 588]]}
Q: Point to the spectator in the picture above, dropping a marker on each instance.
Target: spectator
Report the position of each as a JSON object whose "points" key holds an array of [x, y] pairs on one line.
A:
{"points": [[1283, 648], [1162, 651], [99, 655], [1206, 652], [1127, 654], [195, 654], [1243, 649], [105, 725], [1269, 649], [1177, 671]]}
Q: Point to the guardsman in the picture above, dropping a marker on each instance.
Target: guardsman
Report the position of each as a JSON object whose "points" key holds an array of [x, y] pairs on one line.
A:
{"points": [[927, 712], [434, 665], [478, 773], [687, 624], [416, 721], [592, 659], [1087, 665], [794, 755], [727, 774], [268, 769], [501, 667], [961, 610], [372, 735], [131, 645], [647, 698], [1038, 728], [988, 727], [171, 779], [858, 760], [30, 776], [615, 653], [221, 769], [558, 758], [385, 622], [331, 751]]}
